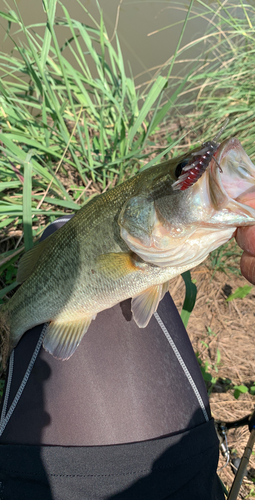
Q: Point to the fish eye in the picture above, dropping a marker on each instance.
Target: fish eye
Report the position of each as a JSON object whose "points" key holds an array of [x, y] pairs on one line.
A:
{"points": [[180, 167]]}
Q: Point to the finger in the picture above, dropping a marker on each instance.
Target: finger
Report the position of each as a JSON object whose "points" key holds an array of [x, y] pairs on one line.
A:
{"points": [[247, 198], [245, 237], [247, 265]]}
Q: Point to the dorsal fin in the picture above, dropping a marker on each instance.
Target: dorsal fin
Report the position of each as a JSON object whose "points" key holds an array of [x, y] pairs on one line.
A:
{"points": [[29, 259]]}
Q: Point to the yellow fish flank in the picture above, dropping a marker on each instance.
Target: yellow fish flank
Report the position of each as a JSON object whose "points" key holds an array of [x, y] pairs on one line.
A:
{"points": [[128, 242]]}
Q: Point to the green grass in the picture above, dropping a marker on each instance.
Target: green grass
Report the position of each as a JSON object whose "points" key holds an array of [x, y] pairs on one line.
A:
{"points": [[225, 80], [221, 82], [226, 259], [68, 131]]}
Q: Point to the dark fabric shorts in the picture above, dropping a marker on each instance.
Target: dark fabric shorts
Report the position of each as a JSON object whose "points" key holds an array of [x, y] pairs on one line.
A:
{"points": [[179, 467], [125, 385]]}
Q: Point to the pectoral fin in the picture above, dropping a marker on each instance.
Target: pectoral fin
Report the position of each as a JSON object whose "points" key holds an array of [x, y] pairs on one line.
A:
{"points": [[118, 265], [63, 338], [144, 305]]}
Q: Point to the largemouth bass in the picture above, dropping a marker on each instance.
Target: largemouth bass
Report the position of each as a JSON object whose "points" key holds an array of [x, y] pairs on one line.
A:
{"points": [[129, 242]]}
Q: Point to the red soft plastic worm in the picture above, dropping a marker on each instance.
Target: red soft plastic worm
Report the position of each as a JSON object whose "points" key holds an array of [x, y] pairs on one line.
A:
{"points": [[195, 169]]}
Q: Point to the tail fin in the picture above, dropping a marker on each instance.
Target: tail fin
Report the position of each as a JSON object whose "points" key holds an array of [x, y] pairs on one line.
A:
{"points": [[5, 347]]}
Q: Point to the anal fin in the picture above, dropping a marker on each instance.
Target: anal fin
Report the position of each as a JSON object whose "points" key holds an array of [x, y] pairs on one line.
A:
{"points": [[63, 338], [144, 305]]}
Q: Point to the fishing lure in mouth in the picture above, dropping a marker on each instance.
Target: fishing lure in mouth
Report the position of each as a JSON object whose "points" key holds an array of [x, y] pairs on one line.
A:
{"points": [[191, 169]]}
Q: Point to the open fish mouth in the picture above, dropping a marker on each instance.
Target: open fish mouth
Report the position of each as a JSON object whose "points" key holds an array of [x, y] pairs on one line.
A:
{"points": [[231, 179], [237, 174]]}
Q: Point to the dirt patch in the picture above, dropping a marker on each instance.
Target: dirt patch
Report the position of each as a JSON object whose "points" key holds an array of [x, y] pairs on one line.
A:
{"points": [[223, 333]]}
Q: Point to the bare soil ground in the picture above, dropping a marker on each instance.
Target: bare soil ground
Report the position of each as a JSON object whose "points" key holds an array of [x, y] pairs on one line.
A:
{"points": [[231, 337]]}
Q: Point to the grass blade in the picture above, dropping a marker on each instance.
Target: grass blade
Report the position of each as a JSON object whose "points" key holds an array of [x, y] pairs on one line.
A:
{"points": [[190, 298], [151, 98], [7, 289], [49, 9], [27, 201]]}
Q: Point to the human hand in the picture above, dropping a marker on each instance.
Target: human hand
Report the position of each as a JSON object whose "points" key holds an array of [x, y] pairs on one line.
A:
{"points": [[245, 237]]}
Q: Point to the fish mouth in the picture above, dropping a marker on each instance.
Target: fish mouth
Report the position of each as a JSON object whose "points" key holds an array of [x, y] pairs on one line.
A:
{"points": [[236, 174], [232, 181]]}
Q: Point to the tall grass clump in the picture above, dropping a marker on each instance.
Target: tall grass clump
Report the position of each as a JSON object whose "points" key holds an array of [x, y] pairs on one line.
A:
{"points": [[225, 80], [66, 130]]}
